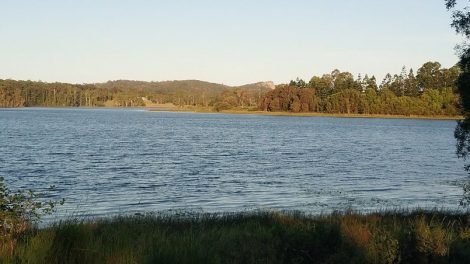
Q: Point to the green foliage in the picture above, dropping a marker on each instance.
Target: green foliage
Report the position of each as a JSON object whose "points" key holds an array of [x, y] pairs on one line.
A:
{"points": [[241, 97], [431, 93], [20, 211], [462, 135], [266, 237], [461, 24], [28, 93], [298, 82], [290, 98], [126, 94], [221, 106]]}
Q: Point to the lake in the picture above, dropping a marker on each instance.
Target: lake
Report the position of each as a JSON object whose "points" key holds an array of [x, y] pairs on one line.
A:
{"points": [[116, 161]]}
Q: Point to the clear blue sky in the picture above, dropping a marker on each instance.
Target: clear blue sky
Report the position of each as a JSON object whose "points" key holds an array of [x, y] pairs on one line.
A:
{"points": [[231, 42]]}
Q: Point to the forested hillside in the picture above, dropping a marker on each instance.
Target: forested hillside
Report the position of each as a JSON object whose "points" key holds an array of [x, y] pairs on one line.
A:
{"points": [[431, 91], [122, 93]]}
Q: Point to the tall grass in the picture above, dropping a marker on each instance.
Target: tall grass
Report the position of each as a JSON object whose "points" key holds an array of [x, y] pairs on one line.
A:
{"points": [[257, 237]]}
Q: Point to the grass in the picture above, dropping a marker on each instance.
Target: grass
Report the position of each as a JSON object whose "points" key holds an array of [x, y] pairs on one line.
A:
{"points": [[245, 111], [240, 111], [314, 114], [257, 237]]}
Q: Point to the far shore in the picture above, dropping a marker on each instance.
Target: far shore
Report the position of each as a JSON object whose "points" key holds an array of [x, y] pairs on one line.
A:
{"points": [[304, 114], [209, 110]]}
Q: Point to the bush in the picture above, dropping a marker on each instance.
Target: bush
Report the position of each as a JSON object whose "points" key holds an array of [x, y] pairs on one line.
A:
{"points": [[221, 106], [19, 212]]}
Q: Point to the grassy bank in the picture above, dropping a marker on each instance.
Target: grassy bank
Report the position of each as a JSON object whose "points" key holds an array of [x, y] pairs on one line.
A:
{"points": [[393, 237], [307, 114], [209, 110], [312, 114]]}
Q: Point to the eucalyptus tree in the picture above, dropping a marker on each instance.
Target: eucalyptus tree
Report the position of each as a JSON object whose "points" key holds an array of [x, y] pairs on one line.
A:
{"points": [[461, 24], [429, 76]]}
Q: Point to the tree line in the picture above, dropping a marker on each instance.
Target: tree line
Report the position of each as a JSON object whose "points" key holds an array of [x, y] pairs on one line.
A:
{"points": [[431, 91], [28, 93], [124, 93]]}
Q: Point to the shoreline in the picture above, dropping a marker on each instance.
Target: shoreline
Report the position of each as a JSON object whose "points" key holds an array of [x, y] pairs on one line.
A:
{"points": [[249, 237], [304, 114], [209, 110]]}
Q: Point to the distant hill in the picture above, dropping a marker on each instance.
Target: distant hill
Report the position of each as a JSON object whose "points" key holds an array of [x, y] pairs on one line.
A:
{"points": [[188, 92], [128, 93], [185, 92], [164, 87], [183, 86]]}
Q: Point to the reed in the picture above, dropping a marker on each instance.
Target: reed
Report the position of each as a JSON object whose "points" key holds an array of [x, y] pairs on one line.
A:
{"points": [[252, 237]]}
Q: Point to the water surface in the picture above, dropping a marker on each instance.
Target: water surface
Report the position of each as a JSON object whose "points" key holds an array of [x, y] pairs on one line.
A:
{"points": [[115, 161]]}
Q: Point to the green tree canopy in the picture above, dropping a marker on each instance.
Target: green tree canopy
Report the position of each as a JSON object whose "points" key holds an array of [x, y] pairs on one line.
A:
{"points": [[461, 24]]}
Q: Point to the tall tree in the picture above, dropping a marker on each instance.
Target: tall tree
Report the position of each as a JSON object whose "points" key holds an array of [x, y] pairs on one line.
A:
{"points": [[322, 85], [386, 82], [370, 83], [411, 85], [343, 81], [461, 24], [429, 76]]}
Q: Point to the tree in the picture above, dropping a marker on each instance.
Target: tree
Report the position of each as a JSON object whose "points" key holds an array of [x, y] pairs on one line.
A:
{"points": [[307, 100], [371, 101], [298, 82], [322, 85], [343, 81], [429, 76], [411, 85], [450, 76], [461, 24], [370, 83], [386, 82], [398, 85]]}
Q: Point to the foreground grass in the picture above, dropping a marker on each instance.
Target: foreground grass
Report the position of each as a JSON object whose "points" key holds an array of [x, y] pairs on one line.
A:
{"points": [[263, 237]]}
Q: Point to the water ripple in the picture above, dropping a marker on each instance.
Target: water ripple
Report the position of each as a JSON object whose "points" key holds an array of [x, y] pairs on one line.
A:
{"points": [[123, 161]]}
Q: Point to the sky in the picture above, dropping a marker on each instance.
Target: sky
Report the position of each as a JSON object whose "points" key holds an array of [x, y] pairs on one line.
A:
{"points": [[231, 42]]}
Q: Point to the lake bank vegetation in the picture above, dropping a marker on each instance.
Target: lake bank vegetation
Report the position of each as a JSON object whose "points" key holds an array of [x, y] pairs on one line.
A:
{"points": [[256, 237], [121, 93], [430, 92], [419, 236]]}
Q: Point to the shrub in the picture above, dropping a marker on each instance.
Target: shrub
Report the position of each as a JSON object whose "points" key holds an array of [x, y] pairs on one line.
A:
{"points": [[431, 241], [19, 211], [221, 106]]}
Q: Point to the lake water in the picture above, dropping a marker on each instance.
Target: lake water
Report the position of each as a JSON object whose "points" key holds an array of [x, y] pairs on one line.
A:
{"points": [[113, 161]]}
